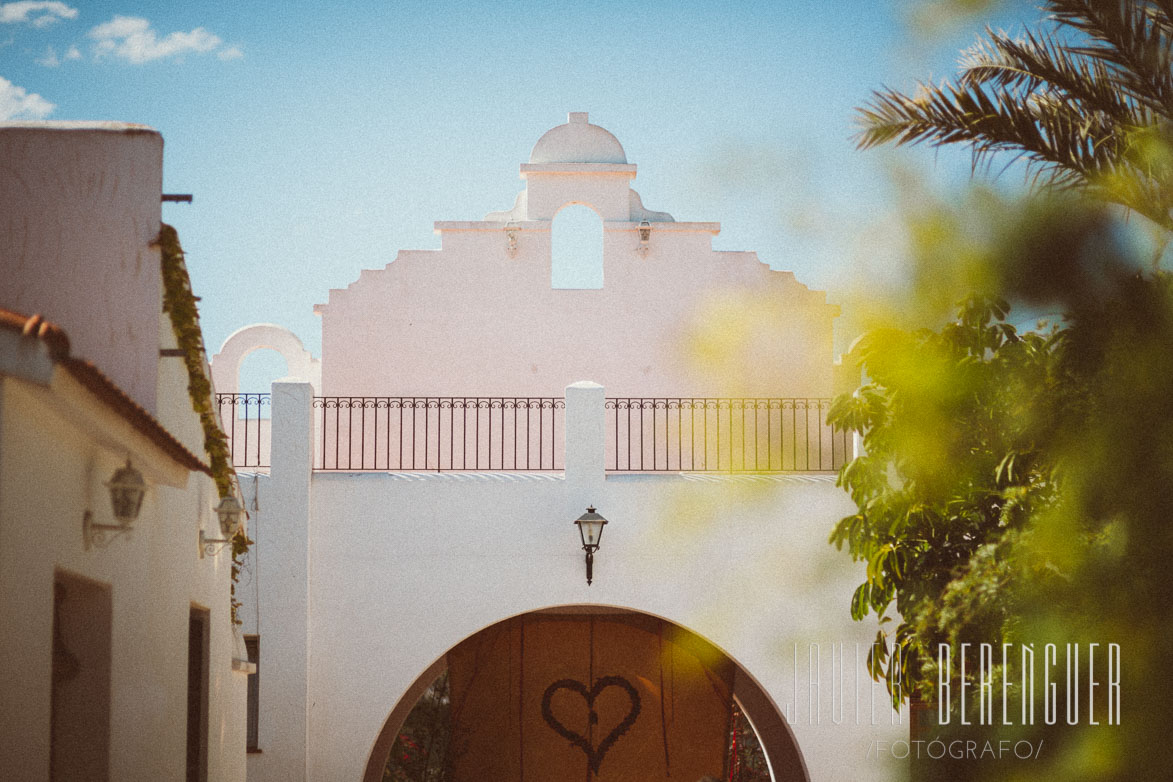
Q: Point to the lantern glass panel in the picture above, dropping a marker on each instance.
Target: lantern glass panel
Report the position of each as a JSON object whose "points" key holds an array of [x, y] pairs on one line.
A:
{"points": [[591, 532], [127, 489], [127, 502], [229, 512]]}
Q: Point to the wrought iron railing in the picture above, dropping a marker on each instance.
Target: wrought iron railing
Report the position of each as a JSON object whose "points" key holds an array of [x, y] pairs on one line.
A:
{"points": [[245, 420], [524, 434], [396, 433], [704, 434]]}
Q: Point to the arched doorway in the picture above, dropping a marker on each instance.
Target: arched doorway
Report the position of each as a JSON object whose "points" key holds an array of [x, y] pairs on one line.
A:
{"points": [[626, 689]]}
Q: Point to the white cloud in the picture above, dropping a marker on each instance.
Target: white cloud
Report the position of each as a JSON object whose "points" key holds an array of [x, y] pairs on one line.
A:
{"points": [[49, 58], [230, 53], [18, 103], [122, 27], [131, 38], [35, 12]]}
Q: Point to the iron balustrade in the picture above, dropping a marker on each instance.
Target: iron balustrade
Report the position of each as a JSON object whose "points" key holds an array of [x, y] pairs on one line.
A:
{"points": [[244, 420], [397, 433], [703, 434], [524, 434]]}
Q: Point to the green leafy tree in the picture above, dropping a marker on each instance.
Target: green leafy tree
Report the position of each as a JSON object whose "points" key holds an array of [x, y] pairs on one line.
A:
{"points": [[955, 424], [1019, 486]]}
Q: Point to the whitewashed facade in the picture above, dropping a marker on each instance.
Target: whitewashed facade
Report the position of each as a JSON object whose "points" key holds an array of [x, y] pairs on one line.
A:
{"points": [[388, 530], [106, 638]]}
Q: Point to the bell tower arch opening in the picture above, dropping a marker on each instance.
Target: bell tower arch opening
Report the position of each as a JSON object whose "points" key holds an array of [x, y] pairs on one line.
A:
{"points": [[576, 248], [585, 688]]}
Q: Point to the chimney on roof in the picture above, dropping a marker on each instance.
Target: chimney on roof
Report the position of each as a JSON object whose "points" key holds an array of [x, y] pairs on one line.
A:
{"points": [[577, 117]]}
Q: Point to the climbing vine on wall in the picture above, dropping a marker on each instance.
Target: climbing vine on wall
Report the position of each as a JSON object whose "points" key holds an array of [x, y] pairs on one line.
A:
{"points": [[180, 304]]}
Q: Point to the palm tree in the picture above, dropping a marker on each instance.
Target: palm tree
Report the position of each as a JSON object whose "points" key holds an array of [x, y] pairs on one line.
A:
{"points": [[1087, 102]]}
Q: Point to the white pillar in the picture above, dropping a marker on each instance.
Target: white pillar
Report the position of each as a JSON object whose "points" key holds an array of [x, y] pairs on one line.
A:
{"points": [[585, 445], [283, 565], [292, 423]]}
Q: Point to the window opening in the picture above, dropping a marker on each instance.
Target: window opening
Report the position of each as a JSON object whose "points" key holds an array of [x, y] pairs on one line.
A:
{"points": [[576, 249]]}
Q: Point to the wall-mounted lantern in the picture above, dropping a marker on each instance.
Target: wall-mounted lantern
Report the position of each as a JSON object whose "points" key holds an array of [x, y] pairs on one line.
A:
{"points": [[127, 489], [645, 237], [229, 512], [590, 529]]}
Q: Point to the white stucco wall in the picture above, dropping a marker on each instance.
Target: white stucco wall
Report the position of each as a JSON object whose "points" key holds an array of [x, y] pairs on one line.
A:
{"points": [[279, 571], [57, 452], [478, 317], [502, 330], [605, 187], [361, 582], [400, 567], [79, 209]]}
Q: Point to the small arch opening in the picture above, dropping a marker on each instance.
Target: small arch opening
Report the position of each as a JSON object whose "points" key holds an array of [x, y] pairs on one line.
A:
{"points": [[576, 249], [259, 369]]}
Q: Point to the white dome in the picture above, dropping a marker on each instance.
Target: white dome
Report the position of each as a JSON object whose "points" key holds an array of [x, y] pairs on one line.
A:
{"points": [[577, 141]]}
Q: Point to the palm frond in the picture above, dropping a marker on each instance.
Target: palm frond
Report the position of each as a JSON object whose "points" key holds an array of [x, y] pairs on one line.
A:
{"points": [[1043, 129], [1088, 108], [1161, 14], [1134, 37], [1040, 62]]}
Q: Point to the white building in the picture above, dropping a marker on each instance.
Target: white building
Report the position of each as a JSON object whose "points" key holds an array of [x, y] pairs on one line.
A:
{"points": [[414, 495], [119, 659]]}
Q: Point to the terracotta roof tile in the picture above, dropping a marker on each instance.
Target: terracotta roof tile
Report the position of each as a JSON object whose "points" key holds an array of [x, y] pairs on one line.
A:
{"points": [[102, 387]]}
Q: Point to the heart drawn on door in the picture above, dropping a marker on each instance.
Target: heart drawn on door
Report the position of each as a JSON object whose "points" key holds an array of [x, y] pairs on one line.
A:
{"points": [[595, 753]]}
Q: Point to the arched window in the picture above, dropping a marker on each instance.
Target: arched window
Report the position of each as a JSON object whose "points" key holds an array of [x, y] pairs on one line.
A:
{"points": [[576, 248]]}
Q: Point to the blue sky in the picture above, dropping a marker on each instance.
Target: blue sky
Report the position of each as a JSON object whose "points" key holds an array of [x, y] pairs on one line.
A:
{"points": [[320, 139]]}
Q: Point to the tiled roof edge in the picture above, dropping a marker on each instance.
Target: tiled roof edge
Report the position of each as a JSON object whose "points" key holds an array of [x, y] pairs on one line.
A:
{"points": [[102, 387]]}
